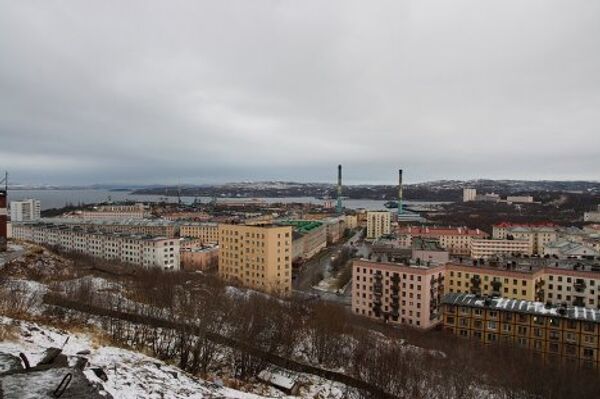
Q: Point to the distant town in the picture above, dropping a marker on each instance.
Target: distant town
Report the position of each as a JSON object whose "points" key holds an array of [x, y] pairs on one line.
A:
{"points": [[520, 268]]}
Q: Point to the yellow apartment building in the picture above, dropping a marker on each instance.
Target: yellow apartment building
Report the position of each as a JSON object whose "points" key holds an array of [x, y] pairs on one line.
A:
{"points": [[568, 333], [207, 232], [258, 257]]}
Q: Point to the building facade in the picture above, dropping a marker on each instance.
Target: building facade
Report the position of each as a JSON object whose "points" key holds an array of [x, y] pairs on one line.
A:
{"points": [[199, 258], [379, 223], [151, 227], [258, 257], [309, 237], [25, 211], [538, 235], [397, 293], [570, 333], [457, 240], [487, 248], [469, 194], [205, 231], [136, 211], [138, 250]]}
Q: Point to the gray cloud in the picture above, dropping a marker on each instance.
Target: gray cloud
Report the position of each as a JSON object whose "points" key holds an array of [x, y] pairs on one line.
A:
{"points": [[153, 92]]}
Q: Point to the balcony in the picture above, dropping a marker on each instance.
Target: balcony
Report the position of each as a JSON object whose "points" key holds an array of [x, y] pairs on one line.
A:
{"points": [[395, 279]]}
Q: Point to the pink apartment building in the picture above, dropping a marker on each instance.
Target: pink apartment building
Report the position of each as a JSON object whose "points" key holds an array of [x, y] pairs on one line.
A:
{"points": [[397, 293]]}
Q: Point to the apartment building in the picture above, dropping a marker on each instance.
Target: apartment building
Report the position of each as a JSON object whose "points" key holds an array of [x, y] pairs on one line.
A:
{"points": [[335, 228], [205, 231], [138, 250], [351, 221], [457, 240], [309, 237], [538, 235], [397, 293], [568, 281], [135, 211], [151, 227], [258, 257], [25, 211], [469, 194], [199, 258], [379, 223], [570, 333], [487, 248], [509, 282]]}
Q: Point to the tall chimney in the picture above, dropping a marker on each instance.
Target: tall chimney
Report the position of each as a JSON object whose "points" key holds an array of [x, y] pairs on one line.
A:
{"points": [[339, 207], [3, 213], [400, 209]]}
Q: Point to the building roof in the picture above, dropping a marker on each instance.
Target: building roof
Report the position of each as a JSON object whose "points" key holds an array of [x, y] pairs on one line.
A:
{"points": [[437, 231], [302, 226], [535, 224], [522, 306], [427, 245]]}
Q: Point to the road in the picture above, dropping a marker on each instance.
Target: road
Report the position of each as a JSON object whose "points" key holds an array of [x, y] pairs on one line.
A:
{"points": [[319, 265]]}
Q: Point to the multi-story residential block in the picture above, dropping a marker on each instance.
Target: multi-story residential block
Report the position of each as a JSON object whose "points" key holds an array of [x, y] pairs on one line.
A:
{"points": [[538, 235], [308, 238], [379, 223], [138, 250], [351, 221], [570, 281], [457, 240], [135, 211], [258, 257], [487, 248], [519, 199], [25, 211], [199, 258], [151, 227], [397, 293], [205, 231], [335, 228], [505, 281], [571, 333], [469, 194]]}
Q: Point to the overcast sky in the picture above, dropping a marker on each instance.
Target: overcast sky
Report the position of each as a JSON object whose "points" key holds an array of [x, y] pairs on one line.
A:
{"points": [[212, 91]]}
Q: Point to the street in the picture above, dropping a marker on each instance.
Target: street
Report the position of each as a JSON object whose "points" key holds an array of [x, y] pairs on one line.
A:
{"points": [[320, 265]]}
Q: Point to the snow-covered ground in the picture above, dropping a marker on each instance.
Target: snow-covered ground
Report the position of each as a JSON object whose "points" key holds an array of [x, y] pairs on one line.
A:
{"points": [[135, 375]]}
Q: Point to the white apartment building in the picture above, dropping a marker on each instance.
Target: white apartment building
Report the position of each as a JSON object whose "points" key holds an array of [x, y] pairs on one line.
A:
{"points": [[537, 235], [25, 211], [138, 250], [469, 194], [135, 211], [486, 248], [378, 224]]}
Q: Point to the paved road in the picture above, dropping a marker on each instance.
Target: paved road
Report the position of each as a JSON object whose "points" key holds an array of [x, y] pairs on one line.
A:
{"points": [[320, 264]]}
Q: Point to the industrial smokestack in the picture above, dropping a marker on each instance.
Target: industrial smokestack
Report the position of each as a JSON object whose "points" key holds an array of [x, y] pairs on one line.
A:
{"points": [[400, 209], [339, 207], [3, 213]]}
